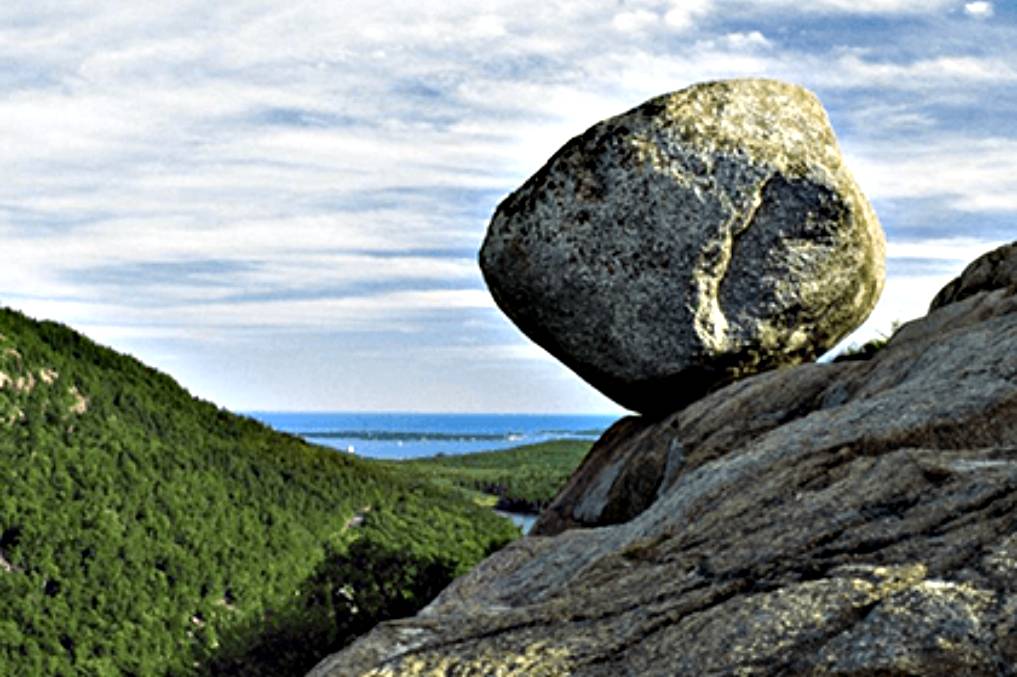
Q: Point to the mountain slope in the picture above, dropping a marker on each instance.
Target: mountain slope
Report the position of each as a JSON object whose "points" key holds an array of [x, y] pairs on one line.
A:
{"points": [[145, 531]]}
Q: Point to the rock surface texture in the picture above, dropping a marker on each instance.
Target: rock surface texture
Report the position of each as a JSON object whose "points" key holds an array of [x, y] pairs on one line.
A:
{"points": [[857, 518], [995, 270], [707, 234]]}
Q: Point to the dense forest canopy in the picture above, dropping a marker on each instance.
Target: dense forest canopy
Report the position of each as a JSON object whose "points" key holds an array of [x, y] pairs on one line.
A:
{"points": [[145, 531]]}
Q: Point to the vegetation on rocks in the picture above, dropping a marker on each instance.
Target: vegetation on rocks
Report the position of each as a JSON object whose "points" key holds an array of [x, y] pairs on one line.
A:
{"points": [[856, 353], [143, 531]]}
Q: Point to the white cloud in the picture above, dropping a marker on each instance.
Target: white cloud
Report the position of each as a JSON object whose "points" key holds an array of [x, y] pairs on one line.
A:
{"points": [[521, 352], [734, 44], [969, 175], [682, 14], [955, 252], [979, 9], [383, 313], [889, 7], [852, 70], [486, 27], [296, 145], [747, 40], [881, 118], [635, 21]]}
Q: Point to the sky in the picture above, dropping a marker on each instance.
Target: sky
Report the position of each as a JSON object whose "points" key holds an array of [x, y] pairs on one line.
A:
{"points": [[280, 203]]}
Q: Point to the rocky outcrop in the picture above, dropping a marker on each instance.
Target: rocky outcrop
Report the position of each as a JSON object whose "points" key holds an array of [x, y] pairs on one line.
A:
{"points": [[708, 234], [618, 478], [18, 384], [856, 518], [995, 270]]}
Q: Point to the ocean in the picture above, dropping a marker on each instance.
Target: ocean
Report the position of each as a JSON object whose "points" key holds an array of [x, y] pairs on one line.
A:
{"points": [[396, 436]]}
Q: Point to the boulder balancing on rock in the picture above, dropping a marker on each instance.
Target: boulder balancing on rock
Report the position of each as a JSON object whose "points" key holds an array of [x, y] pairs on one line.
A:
{"points": [[852, 518], [707, 234]]}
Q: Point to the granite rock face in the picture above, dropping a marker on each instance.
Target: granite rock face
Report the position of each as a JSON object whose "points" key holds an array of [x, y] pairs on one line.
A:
{"points": [[995, 270], [707, 234], [856, 518]]}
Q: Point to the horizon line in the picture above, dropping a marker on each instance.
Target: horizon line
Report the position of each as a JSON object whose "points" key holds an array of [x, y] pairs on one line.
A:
{"points": [[423, 412]]}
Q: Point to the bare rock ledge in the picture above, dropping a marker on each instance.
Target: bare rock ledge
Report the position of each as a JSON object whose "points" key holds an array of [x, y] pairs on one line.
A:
{"points": [[857, 518]]}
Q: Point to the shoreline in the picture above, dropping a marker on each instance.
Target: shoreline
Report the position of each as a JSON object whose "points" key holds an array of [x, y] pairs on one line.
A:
{"points": [[523, 520]]}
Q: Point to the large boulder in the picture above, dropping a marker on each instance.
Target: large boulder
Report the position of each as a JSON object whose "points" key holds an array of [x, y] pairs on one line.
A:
{"points": [[857, 518], [707, 234]]}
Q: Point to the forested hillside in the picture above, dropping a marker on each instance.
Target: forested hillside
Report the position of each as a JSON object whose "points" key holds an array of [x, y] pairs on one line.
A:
{"points": [[145, 531], [524, 479]]}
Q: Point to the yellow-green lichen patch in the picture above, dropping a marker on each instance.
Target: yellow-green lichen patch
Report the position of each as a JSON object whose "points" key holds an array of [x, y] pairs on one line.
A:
{"points": [[917, 626], [540, 659], [1002, 561], [773, 123]]}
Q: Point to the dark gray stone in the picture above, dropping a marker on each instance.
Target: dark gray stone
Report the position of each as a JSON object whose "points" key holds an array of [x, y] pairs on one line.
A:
{"points": [[707, 234], [995, 270]]}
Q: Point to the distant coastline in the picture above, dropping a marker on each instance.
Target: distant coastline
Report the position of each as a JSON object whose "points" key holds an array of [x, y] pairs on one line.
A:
{"points": [[399, 436]]}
